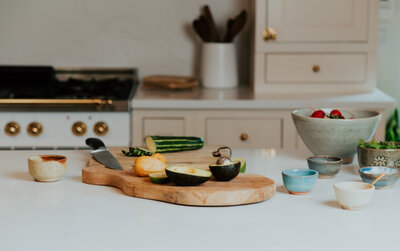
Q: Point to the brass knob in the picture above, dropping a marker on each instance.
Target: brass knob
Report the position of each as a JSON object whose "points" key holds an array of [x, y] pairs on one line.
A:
{"points": [[244, 136], [100, 128], [269, 34], [12, 128], [34, 129], [79, 128], [316, 68]]}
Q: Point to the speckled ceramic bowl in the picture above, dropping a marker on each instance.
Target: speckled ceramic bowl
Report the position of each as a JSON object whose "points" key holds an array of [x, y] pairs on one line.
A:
{"points": [[327, 166], [378, 157], [369, 174], [336, 137], [299, 181], [47, 168]]}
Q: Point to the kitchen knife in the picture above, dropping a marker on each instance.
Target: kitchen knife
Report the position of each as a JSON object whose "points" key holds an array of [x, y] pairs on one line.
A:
{"points": [[101, 154]]}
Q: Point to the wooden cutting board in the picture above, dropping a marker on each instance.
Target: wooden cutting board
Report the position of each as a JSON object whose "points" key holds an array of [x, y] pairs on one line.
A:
{"points": [[244, 189]]}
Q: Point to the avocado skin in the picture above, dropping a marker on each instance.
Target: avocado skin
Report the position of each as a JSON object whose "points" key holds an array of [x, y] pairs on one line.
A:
{"points": [[225, 172], [182, 179]]}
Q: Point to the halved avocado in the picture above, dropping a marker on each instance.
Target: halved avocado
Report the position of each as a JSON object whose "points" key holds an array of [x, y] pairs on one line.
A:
{"points": [[225, 172], [187, 175]]}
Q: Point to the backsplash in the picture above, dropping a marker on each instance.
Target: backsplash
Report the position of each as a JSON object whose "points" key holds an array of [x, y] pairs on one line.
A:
{"points": [[155, 36]]}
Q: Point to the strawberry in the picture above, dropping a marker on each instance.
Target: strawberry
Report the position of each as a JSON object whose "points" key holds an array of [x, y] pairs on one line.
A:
{"points": [[336, 114], [318, 114]]}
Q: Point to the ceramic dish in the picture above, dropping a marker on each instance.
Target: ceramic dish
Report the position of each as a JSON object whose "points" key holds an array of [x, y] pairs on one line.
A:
{"points": [[47, 168], [326, 166], [369, 174], [353, 195], [299, 181], [378, 157], [336, 137]]}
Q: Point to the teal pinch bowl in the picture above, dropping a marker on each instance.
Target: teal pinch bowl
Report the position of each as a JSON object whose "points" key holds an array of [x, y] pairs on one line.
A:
{"points": [[368, 175], [326, 166], [299, 181]]}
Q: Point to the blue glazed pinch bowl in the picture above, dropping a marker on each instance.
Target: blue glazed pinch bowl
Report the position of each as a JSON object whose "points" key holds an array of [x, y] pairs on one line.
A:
{"points": [[368, 174], [299, 181]]}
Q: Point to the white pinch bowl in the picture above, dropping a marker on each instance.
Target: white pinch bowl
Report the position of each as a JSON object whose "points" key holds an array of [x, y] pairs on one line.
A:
{"points": [[352, 194]]}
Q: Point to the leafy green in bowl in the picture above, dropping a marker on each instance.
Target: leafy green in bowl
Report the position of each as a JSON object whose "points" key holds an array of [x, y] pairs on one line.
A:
{"points": [[379, 145]]}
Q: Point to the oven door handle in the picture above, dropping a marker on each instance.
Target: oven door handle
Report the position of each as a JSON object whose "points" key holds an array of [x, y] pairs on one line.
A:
{"points": [[58, 101]]}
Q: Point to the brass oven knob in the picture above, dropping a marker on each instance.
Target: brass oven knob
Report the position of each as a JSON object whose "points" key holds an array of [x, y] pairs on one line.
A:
{"points": [[100, 128], [34, 129], [244, 136], [79, 128], [12, 128], [269, 34]]}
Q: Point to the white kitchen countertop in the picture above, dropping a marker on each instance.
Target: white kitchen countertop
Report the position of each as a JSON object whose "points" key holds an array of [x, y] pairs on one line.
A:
{"points": [[244, 98], [71, 215]]}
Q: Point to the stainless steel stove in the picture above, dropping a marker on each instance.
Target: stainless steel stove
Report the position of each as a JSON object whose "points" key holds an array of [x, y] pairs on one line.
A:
{"points": [[42, 107]]}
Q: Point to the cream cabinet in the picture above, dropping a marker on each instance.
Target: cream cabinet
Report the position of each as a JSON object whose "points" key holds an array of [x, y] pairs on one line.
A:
{"points": [[315, 46], [161, 122], [240, 129], [318, 20]]}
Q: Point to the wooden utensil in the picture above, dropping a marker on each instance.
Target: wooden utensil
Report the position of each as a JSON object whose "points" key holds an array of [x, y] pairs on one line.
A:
{"points": [[376, 180], [237, 25], [198, 27], [214, 36], [244, 189], [228, 31]]}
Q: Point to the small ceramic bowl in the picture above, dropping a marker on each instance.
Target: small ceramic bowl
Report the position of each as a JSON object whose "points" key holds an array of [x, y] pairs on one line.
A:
{"points": [[326, 166], [369, 174], [299, 181], [47, 168], [352, 194], [378, 157]]}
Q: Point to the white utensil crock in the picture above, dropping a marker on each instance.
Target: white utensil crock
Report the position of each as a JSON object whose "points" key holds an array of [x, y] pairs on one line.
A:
{"points": [[219, 65]]}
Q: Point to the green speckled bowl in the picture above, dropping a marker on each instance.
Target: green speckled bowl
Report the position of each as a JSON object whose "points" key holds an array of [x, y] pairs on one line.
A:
{"points": [[378, 157], [336, 137]]}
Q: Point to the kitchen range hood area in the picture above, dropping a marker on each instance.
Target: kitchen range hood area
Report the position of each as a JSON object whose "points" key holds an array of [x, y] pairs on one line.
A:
{"points": [[199, 125]]}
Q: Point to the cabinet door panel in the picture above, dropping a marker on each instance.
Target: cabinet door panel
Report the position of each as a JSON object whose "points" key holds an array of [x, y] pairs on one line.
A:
{"points": [[163, 126], [318, 20], [315, 68], [244, 133]]}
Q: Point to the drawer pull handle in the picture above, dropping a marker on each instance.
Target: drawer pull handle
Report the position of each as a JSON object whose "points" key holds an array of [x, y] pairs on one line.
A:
{"points": [[316, 68], [244, 136], [269, 34]]}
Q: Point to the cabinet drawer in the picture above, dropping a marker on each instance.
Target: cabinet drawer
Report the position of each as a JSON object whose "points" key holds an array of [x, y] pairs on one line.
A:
{"points": [[163, 126], [244, 133], [318, 68]]}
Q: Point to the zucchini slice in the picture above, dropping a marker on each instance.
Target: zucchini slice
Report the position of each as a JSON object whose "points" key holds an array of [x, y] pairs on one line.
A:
{"points": [[163, 144], [159, 178]]}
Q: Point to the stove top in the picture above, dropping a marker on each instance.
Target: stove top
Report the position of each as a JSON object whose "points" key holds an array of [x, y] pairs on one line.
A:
{"points": [[36, 85]]}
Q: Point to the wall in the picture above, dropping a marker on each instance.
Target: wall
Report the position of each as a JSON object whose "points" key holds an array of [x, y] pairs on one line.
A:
{"points": [[389, 48], [153, 35]]}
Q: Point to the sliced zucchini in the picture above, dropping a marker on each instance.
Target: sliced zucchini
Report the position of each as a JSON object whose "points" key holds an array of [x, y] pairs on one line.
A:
{"points": [[187, 175], [242, 164], [163, 144], [159, 178]]}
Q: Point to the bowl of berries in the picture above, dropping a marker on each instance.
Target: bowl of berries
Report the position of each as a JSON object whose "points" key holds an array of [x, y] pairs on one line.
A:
{"points": [[334, 132]]}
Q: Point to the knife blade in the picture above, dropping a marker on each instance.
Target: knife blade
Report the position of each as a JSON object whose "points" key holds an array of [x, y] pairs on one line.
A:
{"points": [[102, 154]]}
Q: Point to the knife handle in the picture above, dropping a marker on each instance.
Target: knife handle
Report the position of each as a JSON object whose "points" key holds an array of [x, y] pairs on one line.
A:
{"points": [[95, 143]]}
